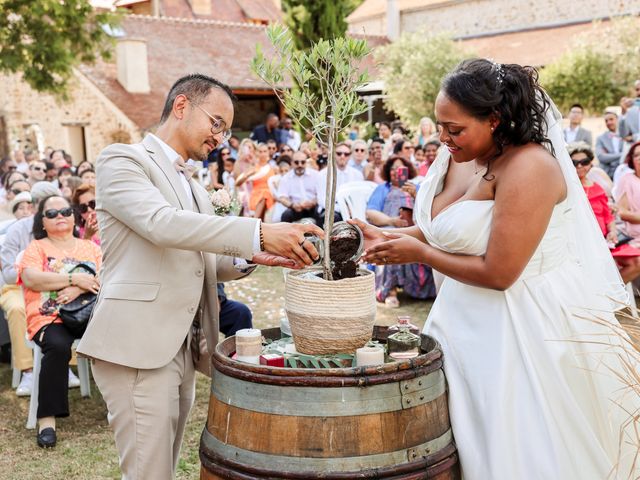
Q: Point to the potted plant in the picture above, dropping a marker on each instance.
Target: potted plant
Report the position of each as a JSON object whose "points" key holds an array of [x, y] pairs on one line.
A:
{"points": [[326, 315]]}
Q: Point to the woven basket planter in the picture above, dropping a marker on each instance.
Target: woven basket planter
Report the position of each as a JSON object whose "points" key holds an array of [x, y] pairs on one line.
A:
{"points": [[330, 317]]}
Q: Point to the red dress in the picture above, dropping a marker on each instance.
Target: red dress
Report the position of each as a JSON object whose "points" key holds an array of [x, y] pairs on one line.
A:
{"points": [[600, 206]]}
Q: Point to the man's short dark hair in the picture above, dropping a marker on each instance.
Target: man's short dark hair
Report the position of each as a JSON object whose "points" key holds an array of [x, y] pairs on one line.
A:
{"points": [[195, 87], [272, 115], [576, 105]]}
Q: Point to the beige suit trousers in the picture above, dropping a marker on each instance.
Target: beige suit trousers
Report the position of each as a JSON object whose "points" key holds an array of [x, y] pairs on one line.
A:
{"points": [[148, 410], [12, 302]]}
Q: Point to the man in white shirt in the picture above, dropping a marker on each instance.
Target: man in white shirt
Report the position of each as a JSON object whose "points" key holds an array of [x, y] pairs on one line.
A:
{"points": [[359, 157], [574, 132], [344, 174], [297, 190]]}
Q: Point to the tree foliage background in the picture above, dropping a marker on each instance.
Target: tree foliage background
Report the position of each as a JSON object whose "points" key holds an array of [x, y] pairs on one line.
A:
{"points": [[599, 67], [45, 39], [412, 68]]}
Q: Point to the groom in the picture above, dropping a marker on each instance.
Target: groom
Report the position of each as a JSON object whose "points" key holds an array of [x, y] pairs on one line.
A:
{"points": [[164, 252]]}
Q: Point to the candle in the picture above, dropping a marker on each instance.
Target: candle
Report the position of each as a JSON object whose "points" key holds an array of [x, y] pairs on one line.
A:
{"points": [[272, 360], [369, 356], [249, 345]]}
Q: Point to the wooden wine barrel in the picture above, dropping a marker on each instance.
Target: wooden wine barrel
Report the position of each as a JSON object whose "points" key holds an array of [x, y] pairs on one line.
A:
{"points": [[389, 422]]}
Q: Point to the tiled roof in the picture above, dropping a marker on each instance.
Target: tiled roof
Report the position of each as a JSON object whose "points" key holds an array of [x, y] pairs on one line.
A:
{"points": [[177, 47], [224, 10]]}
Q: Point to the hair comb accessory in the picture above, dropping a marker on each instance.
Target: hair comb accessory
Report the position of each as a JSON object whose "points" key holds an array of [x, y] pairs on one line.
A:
{"points": [[499, 71]]}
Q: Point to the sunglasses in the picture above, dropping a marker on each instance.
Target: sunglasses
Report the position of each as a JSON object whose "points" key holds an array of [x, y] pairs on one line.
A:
{"points": [[53, 213], [84, 207], [12, 169], [343, 154], [359, 150], [583, 163], [38, 169], [299, 162], [16, 191]]}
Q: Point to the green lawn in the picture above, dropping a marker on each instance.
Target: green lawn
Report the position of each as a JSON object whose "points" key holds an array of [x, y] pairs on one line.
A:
{"points": [[85, 447]]}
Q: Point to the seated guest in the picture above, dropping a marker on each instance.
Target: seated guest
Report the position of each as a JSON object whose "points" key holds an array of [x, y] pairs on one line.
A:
{"points": [[84, 201], [430, 154], [37, 172], [627, 195], [234, 315], [626, 256], [404, 148], [272, 147], [609, 145], [297, 190], [418, 156], [372, 170], [22, 205], [574, 132], [48, 275], [284, 165], [391, 206], [82, 166], [344, 174], [359, 158], [88, 176], [216, 167]]}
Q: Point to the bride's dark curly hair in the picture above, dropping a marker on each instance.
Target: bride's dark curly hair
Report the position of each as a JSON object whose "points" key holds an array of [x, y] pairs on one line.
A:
{"points": [[509, 91]]}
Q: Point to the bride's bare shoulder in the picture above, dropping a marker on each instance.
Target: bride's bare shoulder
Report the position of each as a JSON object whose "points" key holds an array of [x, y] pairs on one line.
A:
{"points": [[534, 165]]}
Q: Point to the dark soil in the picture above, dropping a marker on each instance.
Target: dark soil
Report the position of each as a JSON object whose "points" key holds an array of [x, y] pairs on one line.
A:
{"points": [[343, 249]]}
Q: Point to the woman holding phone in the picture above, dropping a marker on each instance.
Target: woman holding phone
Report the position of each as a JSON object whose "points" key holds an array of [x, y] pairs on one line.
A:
{"points": [[391, 205]]}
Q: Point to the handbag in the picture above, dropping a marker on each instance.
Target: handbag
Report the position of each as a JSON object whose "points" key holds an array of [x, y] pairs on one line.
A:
{"points": [[623, 239], [75, 315]]}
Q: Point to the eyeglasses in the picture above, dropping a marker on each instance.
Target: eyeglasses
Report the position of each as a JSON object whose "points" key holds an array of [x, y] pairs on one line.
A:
{"points": [[343, 154], [217, 125], [53, 213], [17, 191], [583, 163], [299, 162], [360, 150], [12, 168], [84, 207], [407, 147], [38, 169]]}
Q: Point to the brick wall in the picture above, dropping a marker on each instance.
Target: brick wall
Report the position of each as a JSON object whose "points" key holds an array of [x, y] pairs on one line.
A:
{"points": [[103, 122]]}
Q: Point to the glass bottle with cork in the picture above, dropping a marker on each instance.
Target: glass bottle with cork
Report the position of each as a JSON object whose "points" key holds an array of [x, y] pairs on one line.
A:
{"points": [[402, 343]]}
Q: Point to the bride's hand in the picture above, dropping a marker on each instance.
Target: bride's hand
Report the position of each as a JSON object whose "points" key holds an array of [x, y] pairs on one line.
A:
{"points": [[397, 248], [372, 234]]}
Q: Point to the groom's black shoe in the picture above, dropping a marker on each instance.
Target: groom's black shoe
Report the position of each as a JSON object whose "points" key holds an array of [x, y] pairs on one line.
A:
{"points": [[47, 438]]}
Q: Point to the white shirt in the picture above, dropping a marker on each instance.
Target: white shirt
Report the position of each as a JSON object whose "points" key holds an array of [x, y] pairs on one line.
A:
{"points": [[174, 156], [349, 174], [299, 188], [570, 134], [293, 139]]}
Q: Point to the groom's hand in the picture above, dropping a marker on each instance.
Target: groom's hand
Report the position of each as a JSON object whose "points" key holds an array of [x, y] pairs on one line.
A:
{"points": [[287, 240], [271, 260]]}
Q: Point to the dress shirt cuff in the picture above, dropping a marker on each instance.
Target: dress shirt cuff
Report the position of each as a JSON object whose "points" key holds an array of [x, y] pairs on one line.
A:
{"points": [[256, 239], [243, 266]]}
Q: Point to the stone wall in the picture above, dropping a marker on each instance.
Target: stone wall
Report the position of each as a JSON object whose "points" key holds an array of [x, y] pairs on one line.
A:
{"points": [[475, 17], [29, 114]]}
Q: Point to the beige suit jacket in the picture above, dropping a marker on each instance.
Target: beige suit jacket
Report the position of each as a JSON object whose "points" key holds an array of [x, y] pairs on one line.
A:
{"points": [[159, 262]]}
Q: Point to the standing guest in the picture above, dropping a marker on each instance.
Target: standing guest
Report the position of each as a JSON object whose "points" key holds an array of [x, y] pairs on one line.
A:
{"points": [[627, 257], [609, 145], [360, 153], [267, 131], [297, 191], [627, 195], [385, 133], [391, 206], [244, 163], [37, 172], [289, 135], [629, 127], [260, 199], [426, 131], [82, 166], [344, 174], [228, 175], [88, 176], [84, 202], [373, 170], [574, 132], [18, 237], [160, 238], [49, 277]]}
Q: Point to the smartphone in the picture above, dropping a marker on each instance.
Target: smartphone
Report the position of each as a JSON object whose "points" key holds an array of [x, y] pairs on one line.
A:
{"points": [[402, 173]]}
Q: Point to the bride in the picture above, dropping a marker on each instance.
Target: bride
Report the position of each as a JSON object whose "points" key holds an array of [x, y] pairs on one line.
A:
{"points": [[534, 391]]}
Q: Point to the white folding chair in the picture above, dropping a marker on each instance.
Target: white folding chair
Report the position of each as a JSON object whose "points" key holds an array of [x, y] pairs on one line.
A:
{"points": [[83, 375], [352, 199], [17, 375], [632, 300]]}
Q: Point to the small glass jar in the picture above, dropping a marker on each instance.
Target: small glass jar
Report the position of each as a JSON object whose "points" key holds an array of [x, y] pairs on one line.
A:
{"points": [[403, 344], [339, 230]]}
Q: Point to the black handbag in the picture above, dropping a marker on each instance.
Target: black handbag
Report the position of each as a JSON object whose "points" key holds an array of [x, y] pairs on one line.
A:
{"points": [[75, 314]]}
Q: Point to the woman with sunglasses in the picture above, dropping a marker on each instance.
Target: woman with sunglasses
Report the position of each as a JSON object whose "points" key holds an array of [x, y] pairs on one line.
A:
{"points": [[84, 202], [627, 257], [48, 274]]}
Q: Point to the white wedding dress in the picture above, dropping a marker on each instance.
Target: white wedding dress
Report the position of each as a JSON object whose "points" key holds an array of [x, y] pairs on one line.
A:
{"points": [[528, 397]]}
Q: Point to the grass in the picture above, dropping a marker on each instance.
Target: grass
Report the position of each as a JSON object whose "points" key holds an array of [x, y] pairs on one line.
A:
{"points": [[86, 449]]}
